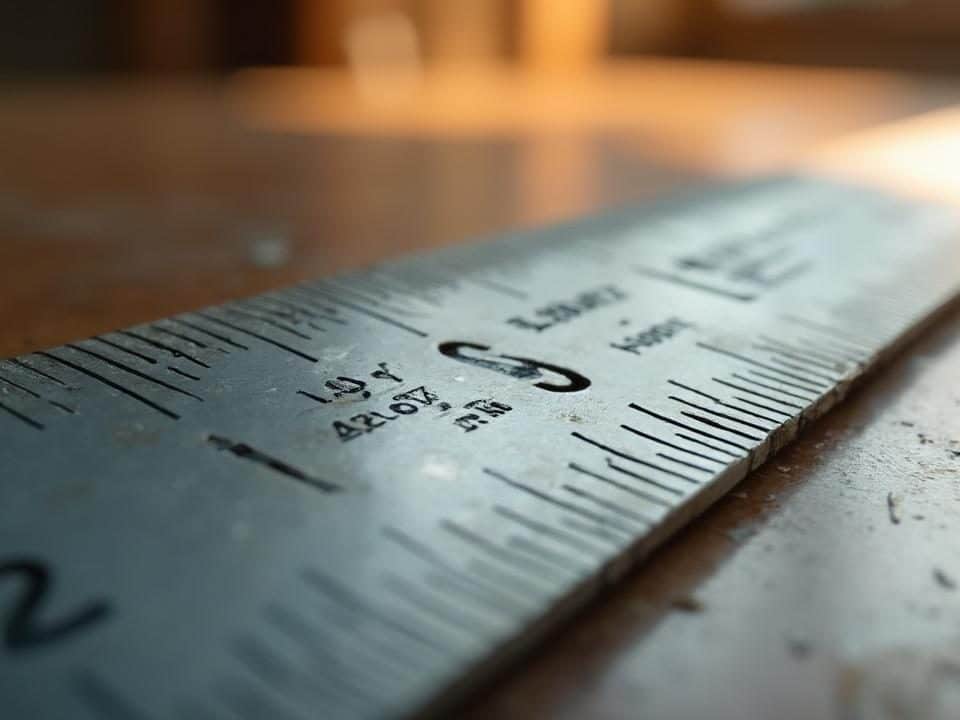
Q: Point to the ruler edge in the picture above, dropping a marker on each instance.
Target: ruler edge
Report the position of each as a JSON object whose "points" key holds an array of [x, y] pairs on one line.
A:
{"points": [[491, 668]]}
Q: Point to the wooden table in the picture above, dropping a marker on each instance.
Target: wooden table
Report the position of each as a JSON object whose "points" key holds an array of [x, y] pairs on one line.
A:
{"points": [[797, 596]]}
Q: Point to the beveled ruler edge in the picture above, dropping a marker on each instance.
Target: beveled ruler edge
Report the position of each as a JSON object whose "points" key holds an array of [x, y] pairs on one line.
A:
{"points": [[488, 674]]}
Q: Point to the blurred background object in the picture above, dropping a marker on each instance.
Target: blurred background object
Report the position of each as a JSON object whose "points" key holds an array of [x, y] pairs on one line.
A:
{"points": [[150, 36]]}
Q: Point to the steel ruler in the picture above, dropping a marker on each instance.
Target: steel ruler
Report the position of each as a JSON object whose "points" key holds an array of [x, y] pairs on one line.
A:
{"points": [[358, 497]]}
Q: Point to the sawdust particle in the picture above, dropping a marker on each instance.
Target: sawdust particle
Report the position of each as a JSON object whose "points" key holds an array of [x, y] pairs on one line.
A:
{"points": [[944, 580], [893, 507], [798, 648], [687, 604]]}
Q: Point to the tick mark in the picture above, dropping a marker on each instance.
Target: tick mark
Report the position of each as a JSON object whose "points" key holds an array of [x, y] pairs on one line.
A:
{"points": [[244, 451]]}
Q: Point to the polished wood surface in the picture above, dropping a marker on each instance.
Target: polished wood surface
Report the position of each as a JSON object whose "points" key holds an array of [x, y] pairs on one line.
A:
{"points": [[797, 596]]}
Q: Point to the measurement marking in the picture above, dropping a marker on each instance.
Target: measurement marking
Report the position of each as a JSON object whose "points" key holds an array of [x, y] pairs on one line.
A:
{"points": [[685, 463], [751, 361], [311, 638], [828, 330], [593, 531], [305, 633], [711, 423], [671, 445], [282, 679], [361, 289], [313, 397], [31, 393], [466, 589], [773, 388], [121, 348], [269, 321], [351, 601], [519, 562], [180, 372], [210, 333], [694, 430], [462, 592], [571, 541], [531, 547], [246, 452], [498, 575], [180, 336], [291, 309], [359, 297], [396, 286], [790, 273], [718, 414], [802, 355], [39, 373], [611, 506], [102, 699], [258, 336], [799, 369], [677, 280], [631, 458], [23, 418], [751, 403], [707, 445], [723, 403], [166, 348], [302, 296], [602, 520], [373, 314], [830, 345], [120, 366], [497, 287], [816, 392], [512, 606], [643, 478], [110, 383], [262, 663], [620, 486], [20, 387], [759, 394], [285, 312], [470, 625]]}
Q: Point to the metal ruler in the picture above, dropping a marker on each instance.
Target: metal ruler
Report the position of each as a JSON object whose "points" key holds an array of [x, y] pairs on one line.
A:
{"points": [[356, 498]]}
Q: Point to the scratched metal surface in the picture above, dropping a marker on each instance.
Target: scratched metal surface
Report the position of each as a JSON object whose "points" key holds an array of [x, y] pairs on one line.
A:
{"points": [[354, 497]]}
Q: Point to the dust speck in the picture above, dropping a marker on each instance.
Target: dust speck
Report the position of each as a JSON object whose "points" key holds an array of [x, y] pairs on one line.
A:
{"points": [[800, 649], [893, 507], [687, 604], [269, 250], [944, 580]]}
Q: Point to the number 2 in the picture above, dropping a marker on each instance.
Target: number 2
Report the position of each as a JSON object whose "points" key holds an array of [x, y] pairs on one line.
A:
{"points": [[22, 630]]}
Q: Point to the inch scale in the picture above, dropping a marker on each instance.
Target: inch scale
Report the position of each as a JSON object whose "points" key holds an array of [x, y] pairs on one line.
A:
{"points": [[359, 497]]}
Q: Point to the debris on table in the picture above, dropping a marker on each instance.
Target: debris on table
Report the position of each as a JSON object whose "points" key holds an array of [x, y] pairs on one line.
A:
{"points": [[687, 604], [893, 507], [944, 580]]}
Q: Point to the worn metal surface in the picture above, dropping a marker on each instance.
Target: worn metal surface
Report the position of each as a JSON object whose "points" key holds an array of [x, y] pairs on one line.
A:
{"points": [[799, 594], [369, 488]]}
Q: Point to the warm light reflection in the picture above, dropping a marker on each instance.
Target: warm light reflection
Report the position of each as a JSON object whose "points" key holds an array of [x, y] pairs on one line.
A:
{"points": [[917, 157], [383, 52], [729, 117]]}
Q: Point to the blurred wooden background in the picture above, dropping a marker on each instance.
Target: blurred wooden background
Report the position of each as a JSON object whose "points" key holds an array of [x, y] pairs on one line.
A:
{"points": [[150, 36]]}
